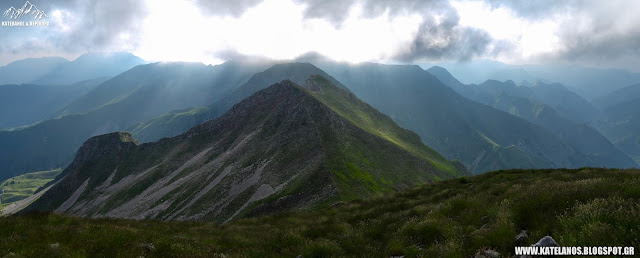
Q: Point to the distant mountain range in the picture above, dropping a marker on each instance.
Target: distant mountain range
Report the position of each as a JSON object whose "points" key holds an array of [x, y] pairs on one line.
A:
{"points": [[555, 95], [90, 66], [539, 104], [59, 71], [620, 119], [287, 147], [590, 83], [480, 136]]}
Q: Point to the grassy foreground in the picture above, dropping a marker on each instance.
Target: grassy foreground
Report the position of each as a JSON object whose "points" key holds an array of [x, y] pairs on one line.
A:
{"points": [[456, 218]]}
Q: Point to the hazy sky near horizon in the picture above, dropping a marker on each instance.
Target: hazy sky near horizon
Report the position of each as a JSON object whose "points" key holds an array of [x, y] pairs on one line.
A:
{"points": [[591, 33]]}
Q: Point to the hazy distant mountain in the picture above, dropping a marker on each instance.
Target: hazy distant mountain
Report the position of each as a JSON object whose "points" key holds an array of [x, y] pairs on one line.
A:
{"points": [[89, 66], [476, 71], [26, 104], [620, 119], [523, 102], [287, 147], [132, 97], [626, 94], [178, 121], [565, 101], [28, 70], [517, 74], [590, 83]]}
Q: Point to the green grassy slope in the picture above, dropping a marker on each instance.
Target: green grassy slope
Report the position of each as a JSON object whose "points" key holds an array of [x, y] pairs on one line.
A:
{"points": [[23, 186], [581, 207], [371, 120], [365, 166]]}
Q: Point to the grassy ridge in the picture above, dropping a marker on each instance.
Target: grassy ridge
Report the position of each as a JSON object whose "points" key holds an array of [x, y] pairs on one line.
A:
{"points": [[362, 115], [582, 207], [23, 186]]}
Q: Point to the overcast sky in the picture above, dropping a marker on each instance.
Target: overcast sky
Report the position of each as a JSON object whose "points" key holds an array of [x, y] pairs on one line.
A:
{"points": [[604, 33]]}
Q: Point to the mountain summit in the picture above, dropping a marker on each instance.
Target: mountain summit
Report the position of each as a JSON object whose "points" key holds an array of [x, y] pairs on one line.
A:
{"points": [[286, 147]]}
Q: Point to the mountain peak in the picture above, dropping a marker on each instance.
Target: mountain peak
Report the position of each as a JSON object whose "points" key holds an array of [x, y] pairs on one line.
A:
{"points": [[104, 145], [286, 147], [444, 76]]}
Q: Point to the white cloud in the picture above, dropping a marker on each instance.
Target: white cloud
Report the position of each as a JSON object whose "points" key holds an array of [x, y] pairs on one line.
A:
{"points": [[528, 38], [274, 29]]}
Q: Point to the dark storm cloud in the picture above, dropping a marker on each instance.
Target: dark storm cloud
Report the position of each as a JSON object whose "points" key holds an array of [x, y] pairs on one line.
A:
{"points": [[598, 46], [442, 43], [591, 32], [444, 38]]}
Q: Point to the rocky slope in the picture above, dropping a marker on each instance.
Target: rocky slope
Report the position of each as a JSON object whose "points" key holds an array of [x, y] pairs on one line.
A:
{"points": [[284, 148]]}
